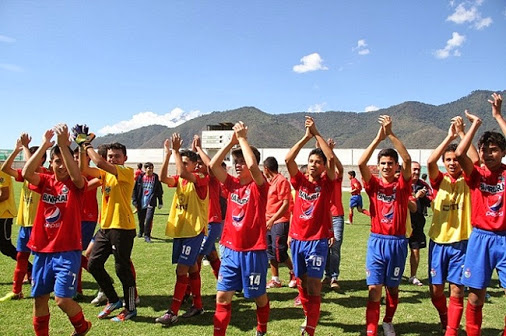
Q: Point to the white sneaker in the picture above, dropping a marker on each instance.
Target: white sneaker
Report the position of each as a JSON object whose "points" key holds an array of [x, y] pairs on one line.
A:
{"points": [[388, 329], [99, 299], [414, 280]]}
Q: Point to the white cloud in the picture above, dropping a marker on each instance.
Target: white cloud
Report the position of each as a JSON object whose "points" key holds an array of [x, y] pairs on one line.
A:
{"points": [[371, 108], [471, 15], [361, 48], [11, 67], [451, 47], [483, 23], [316, 108], [311, 62], [7, 39], [172, 119]]}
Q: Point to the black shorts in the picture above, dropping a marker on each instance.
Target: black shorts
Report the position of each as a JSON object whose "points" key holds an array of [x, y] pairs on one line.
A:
{"points": [[277, 246], [418, 240]]}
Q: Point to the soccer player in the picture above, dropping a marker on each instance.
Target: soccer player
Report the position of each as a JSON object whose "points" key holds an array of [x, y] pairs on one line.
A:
{"points": [[485, 249], [450, 228], [387, 247], [187, 224], [56, 234], [356, 196], [277, 215], [117, 228], [27, 209], [7, 214], [311, 227], [244, 259]]}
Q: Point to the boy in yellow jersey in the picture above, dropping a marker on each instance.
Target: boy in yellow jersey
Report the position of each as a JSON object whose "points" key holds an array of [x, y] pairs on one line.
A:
{"points": [[7, 214], [117, 228], [187, 224], [26, 214], [450, 228]]}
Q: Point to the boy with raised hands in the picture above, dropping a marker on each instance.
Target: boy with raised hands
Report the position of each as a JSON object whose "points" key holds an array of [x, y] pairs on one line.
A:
{"points": [[311, 230], [387, 247], [244, 260], [450, 228], [485, 249], [187, 224], [56, 235]]}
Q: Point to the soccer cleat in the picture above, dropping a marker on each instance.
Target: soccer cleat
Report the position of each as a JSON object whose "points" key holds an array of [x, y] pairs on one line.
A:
{"points": [[193, 312], [293, 281], [259, 333], [388, 329], [334, 284], [414, 280], [125, 315], [273, 284], [303, 325], [297, 301], [75, 333], [169, 318], [99, 299], [110, 308], [12, 296], [147, 239]]}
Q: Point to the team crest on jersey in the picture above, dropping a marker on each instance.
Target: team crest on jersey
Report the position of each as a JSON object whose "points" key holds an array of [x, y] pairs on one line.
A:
{"points": [[65, 190], [307, 209], [467, 273], [387, 212], [107, 190], [2, 180], [52, 215], [237, 216], [494, 203]]}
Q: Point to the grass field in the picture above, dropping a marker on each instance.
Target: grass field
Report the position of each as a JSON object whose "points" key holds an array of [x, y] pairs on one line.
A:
{"points": [[342, 312]]}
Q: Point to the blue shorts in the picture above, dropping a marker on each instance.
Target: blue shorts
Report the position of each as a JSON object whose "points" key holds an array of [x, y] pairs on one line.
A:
{"points": [[356, 201], [55, 272], [309, 257], [485, 251], [186, 250], [87, 232], [446, 262], [385, 260], [23, 237], [213, 234], [245, 270]]}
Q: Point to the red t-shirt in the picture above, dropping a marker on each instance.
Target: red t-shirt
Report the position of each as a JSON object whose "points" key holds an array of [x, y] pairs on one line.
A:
{"points": [[57, 226], [279, 191], [244, 228], [388, 205], [356, 186], [214, 200], [90, 205], [487, 197], [336, 203], [311, 219]]}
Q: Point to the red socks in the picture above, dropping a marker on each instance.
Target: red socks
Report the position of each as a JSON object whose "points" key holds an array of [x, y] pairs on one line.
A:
{"points": [[79, 323], [195, 284], [350, 218], [263, 317], [41, 325], [455, 310], [372, 316], [366, 212], [440, 305], [313, 313], [179, 290], [391, 302], [20, 271], [222, 318], [474, 317], [215, 264]]}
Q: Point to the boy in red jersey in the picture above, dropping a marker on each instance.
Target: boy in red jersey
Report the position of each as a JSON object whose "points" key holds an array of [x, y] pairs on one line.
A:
{"points": [[485, 250], [56, 234], [356, 196], [187, 224], [244, 259], [311, 227], [387, 245]]}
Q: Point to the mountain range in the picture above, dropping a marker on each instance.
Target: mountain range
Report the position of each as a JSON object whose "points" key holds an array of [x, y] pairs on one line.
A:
{"points": [[417, 124]]}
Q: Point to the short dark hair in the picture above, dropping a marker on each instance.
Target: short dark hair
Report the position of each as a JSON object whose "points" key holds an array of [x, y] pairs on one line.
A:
{"points": [[271, 163], [352, 173], [319, 152], [237, 153], [117, 145], [102, 150], [448, 149], [148, 165], [191, 155], [56, 150], [33, 149], [139, 165], [492, 138], [388, 152]]}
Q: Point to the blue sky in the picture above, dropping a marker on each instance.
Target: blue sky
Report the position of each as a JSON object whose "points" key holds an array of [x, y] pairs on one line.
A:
{"points": [[118, 65]]}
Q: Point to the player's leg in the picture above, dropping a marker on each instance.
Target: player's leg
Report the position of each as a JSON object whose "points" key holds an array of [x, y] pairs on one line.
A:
{"points": [[6, 246], [123, 241], [41, 315], [438, 270], [22, 265], [334, 255], [457, 252], [148, 223], [272, 252], [141, 217], [254, 272]]}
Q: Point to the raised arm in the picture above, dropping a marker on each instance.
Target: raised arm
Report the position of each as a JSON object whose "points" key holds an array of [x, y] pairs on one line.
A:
{"points": [[461, 152], [327, 151], [215, 164], [338, 164], [197, 147], [386, 121], [241, 132], [30, 169], [471, 152], [496, 111], [436, 154], [291, 165], [181, 170], [7, 165], [63, 141], [164, 170], [366, 155], [100, 162]]}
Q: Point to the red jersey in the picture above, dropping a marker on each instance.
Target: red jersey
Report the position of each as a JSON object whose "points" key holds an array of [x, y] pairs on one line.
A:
{"points": [[90, 205], [245, 225], [388, 205], [214, 200], [57, 226], [487, 197], [279, 191], [336, 203], [356, 186], [311, 219]]}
